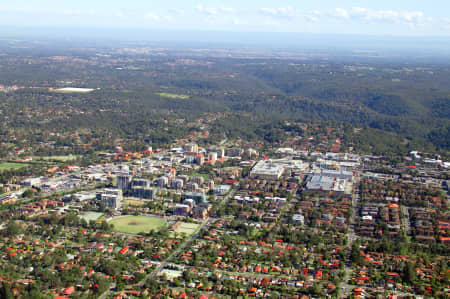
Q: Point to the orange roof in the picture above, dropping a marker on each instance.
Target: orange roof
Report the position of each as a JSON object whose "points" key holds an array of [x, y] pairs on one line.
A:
{"points": [[69, 290], [123, 250], [53, 169], [364, 278]]}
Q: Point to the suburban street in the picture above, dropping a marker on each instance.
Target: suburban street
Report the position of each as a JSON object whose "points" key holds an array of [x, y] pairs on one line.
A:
{"points": [[204, 225]]}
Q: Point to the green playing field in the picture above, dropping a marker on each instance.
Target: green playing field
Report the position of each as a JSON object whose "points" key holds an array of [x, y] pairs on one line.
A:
{"points": [[137, 224]]}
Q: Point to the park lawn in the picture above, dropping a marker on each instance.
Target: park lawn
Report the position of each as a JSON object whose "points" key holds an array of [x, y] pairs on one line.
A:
{"points": [[187, 228], [204, 175], [60, 158], [132, 202], [91, 216], [171, 274], [12, 166], [173, 95], [136, 224]]}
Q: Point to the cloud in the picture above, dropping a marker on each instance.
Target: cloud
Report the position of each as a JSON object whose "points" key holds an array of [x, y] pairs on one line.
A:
{"points": [[411, 18], [282, 12], [157, 18], [56, 12], [237, 22], [286, 17], [445, 23], [213, 11], [152, 17], [290, 14], [341, 13], [72, 12], [313, 16], [177, 12], [354, 14], [120, 15]]}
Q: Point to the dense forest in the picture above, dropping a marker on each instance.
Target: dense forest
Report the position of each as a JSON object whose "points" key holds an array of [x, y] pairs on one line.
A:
{"points": [[407, 98]]}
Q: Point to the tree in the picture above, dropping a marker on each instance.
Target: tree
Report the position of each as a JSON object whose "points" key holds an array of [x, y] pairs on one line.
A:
{"points": [[355, 253], [151, 284], [28, 193], [5, 292], [105, 226], [13, 229], [409, 273], [317, 289]]}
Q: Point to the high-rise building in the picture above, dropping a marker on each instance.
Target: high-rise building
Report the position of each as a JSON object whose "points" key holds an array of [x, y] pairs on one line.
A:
{"points": [[111, 198], [141, 183], [212, 157], [124, 181], [191, 147], [143, 192]]}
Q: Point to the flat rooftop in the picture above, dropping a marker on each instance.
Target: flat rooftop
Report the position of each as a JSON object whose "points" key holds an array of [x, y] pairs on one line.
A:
{"points": [[74, 89]]}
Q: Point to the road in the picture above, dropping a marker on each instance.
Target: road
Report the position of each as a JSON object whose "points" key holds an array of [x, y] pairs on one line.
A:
{"points": [[406, 220], [185, 244], [205, 225], [107, 293], [351, 237], [162, 265]]}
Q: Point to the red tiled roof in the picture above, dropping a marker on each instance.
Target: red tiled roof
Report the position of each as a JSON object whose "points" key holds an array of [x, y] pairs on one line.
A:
{"points": [[69, 290]]}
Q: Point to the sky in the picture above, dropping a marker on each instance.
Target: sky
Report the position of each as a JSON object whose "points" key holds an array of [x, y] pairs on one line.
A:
{"points": [[364, 17]]}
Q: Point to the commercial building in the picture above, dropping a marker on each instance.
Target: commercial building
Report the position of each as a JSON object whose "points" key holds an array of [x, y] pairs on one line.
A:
{"points": [[181, 210], [222, 189], [219, 151], [31, 182], [143, 192], [340, 174], [329, 185], [235, 152], [110, 198], [267, 170], [162, 181], [201, 211], [191, 147], [212, 157], [198, 180], [194, 158], [144, 183], [177, 184], [198, 197], [124, 181]]}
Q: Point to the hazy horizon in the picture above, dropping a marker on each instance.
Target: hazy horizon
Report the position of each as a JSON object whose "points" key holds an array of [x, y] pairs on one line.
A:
{"points": [[410, 26], [215, 38]]}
